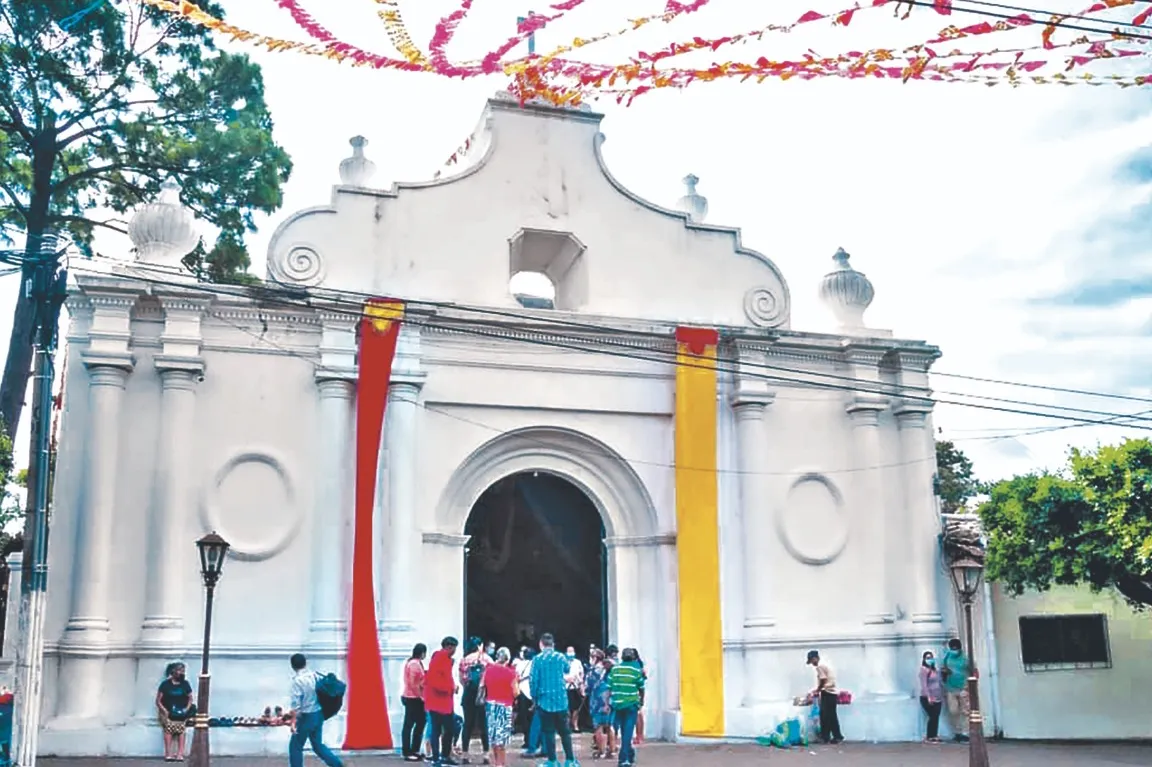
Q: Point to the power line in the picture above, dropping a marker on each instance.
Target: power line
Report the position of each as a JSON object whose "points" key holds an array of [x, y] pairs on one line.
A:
{"points": [[1073, 16], [482, 329], [296, 295], [1042, 387], [1058, 25], [1033, 432], [603, 453]]}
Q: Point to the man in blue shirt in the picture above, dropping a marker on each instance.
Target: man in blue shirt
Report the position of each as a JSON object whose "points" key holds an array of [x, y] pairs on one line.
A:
{"points": [[550, 691]]}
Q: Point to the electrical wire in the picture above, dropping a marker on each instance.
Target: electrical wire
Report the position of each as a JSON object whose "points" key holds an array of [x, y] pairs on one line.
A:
{"points": [[599, 454], [1053, 14], [1058, 25], [492, 331], [607, 332], [1033, 432]]}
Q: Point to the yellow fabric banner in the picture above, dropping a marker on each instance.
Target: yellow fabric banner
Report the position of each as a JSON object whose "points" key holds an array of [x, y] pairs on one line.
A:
{"points": [[698, 535]]}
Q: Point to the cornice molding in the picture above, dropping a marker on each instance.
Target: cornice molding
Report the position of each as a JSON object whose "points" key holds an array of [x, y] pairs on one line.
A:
{"points": [[451, 540], [246, 651], [890, 638], [640, 541]]}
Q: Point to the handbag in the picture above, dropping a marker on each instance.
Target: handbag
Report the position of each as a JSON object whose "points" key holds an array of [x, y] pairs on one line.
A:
{"points": [[481, 696]]}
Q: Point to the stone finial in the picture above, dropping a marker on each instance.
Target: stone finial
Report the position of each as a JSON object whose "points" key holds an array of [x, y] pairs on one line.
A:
{"points": [[847, 292], [695, 205], [357, 170], [164, 231]]}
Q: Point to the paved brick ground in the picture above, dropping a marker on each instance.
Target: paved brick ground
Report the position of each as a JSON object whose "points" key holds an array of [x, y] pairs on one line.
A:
{"points": [[845, 755]]}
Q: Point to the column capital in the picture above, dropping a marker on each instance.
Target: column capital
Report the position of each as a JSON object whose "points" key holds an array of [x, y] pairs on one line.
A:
{"points": [[329, 374], [121, 361], [750, 405], [406, 386], [170, 367], [865, 409], [336, 388], [912, 414], [108, 370]]}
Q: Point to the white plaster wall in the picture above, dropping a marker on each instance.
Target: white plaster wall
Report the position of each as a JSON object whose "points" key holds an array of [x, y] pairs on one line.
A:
{"points": [[612, 418], [542, 171], [1090, 704]]}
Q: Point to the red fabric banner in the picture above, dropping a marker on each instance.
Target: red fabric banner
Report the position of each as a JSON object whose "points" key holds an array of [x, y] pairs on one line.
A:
{"points": [[367, 704]]}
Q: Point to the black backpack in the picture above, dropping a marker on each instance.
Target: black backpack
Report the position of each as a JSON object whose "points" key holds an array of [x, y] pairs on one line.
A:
{"points": [[330, 694], [475, 674]]}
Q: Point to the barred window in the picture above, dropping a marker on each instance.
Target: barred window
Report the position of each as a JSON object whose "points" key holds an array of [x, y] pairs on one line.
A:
{"points": [[1059, 642]]}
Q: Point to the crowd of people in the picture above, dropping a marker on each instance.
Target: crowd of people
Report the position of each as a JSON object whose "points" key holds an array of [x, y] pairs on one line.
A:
{"points": [[542, 695]]}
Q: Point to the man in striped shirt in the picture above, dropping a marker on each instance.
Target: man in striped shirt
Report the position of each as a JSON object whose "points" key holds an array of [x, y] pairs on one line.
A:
{"points": [[550, 692], [626, 681]]}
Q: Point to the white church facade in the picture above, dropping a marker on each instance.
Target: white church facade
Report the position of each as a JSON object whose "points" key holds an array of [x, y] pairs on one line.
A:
{"points": [[192, 407]]}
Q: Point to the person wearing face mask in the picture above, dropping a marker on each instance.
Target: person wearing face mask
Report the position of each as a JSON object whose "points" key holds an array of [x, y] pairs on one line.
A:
{"points": [[174, 702], [931, 695], [574, 682]]}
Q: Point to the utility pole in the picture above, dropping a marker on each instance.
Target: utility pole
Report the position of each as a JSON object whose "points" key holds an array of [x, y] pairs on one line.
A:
{"points": [[46, 285]]}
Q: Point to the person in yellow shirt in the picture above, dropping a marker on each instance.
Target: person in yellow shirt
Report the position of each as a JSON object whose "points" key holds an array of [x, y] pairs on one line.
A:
{"points": [[829, 696]]}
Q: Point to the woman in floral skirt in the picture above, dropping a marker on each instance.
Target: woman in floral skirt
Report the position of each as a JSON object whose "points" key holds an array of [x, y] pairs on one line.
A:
{"points": [[498, 688]]}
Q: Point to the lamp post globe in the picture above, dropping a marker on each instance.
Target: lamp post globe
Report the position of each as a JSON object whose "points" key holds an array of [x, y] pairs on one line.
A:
{"points": [[213, 550], [967, 575]]}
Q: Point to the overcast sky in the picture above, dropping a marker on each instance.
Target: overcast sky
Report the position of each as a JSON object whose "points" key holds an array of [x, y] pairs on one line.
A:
{"points": [[1010, 227]]}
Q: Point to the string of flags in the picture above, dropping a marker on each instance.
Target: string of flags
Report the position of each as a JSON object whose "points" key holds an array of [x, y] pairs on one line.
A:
{"points": [[559, 79]]}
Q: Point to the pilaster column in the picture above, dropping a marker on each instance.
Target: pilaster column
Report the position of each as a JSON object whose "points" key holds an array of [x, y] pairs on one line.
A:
{"points": [[332, 515], [84, 644], [172, 502], [870, 523], [921, 517], [180, 368], [755, 510], [401, 424], [91, 590]]}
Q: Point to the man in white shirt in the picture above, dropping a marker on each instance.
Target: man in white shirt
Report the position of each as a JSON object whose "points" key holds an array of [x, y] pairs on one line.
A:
{"points": [[307, 719]]}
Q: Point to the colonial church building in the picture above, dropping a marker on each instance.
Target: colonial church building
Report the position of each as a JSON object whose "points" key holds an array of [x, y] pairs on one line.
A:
{"points": [[530, 467]]}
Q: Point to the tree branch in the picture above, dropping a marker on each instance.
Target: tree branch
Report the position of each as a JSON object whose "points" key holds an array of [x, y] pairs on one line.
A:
{"points": [[106, 224], [15, 116], [19, 206]]}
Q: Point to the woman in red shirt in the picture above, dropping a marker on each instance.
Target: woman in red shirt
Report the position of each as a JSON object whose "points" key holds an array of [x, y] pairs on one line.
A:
{"points": [[498, 688], [412, 733]]}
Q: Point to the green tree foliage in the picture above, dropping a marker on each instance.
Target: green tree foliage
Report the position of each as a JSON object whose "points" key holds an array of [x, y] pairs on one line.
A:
{"points": [[100, 103], [1090, 524], [956, 483]]}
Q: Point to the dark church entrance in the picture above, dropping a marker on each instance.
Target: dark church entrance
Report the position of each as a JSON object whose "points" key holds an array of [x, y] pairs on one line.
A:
{"points": [[536, 563]]}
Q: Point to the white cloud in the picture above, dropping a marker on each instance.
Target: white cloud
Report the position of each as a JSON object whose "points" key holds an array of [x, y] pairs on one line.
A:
{"points": [[960, 202]]}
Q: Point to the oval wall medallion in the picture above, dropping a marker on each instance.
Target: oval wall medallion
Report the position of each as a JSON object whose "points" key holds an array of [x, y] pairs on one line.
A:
{"points": [[812, 524], [252, 502]]}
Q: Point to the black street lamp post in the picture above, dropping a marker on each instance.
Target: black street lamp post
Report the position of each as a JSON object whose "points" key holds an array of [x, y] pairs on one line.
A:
{"points": [[212, 548], [967, 574]]}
